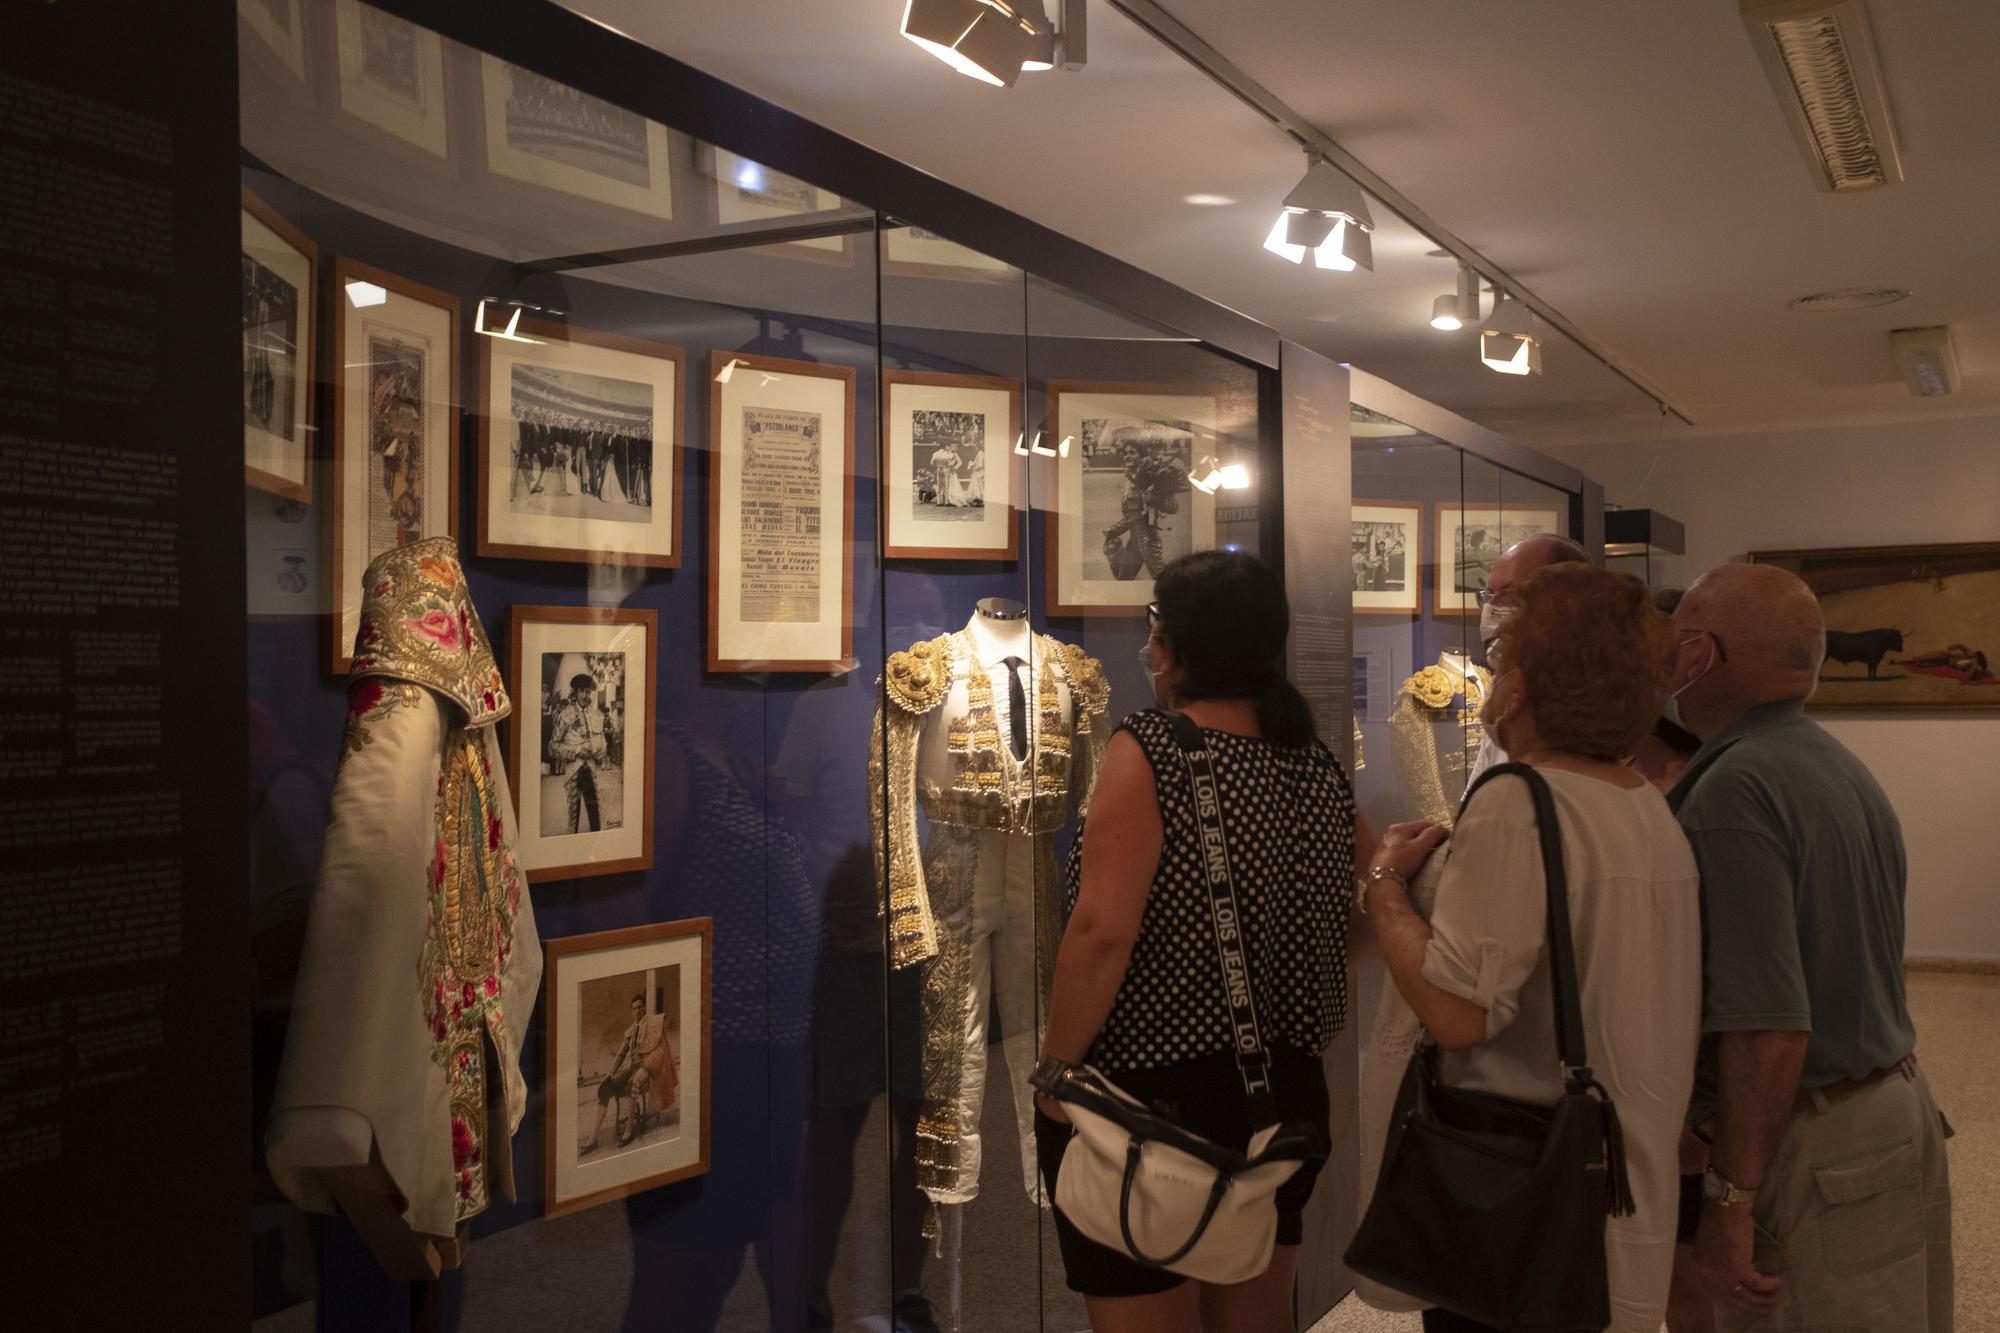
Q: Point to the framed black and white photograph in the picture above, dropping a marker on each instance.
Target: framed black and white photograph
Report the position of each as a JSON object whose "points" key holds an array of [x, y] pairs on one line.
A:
{"points": [[916, 252], [392, 75], [747, 191], [1470, 538], [1125, 507], [780, 514], [395, 419], [579, 447], [550, 134], [1387, 557], [581, 757], [628, 1059], [280, 267], [948, 481], [279, 31]]}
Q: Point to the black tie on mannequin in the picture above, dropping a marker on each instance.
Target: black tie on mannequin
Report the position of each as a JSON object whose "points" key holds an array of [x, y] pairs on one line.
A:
{"points": [[1017, 707]]}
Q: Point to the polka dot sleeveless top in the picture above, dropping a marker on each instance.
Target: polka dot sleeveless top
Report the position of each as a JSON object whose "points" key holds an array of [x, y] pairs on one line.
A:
{"points": [[1288, 815]]}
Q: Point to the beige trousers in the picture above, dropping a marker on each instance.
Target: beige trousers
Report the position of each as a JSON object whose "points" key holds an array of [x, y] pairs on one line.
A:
{"points": [[1855, 1215]]}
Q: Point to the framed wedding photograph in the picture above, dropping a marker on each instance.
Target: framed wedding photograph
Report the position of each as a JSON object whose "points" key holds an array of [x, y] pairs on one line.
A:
{"points": [[280, 278], [1907, 627], [1470, 538], [580, 447], [395, 417], [580, 747], [1124, 505], [918, 253], [392, 75], [550, 134], [1387, 554], [747, 191], [780, 514], [627, 1082], [948, 479]]}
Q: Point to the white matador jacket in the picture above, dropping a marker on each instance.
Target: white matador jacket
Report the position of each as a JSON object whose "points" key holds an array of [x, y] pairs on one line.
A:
{"points": [[987, 874], [421, 962]]}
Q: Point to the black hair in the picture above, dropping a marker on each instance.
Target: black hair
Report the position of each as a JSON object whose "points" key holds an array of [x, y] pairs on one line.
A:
{"points": [[1225, 616], [583, 680]]}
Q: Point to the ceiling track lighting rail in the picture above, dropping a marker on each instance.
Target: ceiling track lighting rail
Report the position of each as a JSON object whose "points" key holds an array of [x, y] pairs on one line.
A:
{"points": [[1184, 42]]}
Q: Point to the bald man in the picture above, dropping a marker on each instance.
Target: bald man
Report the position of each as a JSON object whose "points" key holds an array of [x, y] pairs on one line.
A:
{"points": [[1518, 561], [1827, 1203]]}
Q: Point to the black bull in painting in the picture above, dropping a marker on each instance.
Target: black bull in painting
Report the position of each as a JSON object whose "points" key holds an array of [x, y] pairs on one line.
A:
{"points": [[1867, 647]]}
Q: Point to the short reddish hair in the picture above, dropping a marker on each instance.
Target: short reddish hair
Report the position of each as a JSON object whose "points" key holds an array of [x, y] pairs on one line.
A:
{"points": [[1595, 655]]}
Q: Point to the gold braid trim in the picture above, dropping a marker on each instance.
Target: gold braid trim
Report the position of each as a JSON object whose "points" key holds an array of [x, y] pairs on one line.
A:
{"points": [[915, 683]]}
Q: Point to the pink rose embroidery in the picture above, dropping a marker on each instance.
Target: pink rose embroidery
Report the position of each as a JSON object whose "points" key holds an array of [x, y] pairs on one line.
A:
{"points": [[363, 696], [492, 987], [440, 627], [461, 1143], [493, 833], [438, 864]]}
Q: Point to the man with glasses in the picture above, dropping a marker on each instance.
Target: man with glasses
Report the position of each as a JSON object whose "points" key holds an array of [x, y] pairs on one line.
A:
{"points": [[1518, 561], [1827, 1198]]}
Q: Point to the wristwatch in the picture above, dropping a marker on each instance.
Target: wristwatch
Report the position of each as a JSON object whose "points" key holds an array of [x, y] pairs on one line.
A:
{"points": [[1049, 1072], [1717, 1189], [1369, 879]]}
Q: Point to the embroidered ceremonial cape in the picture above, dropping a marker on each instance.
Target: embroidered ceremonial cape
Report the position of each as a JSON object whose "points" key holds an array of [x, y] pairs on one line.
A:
{"points": [[1434, 732], [421, 962]]}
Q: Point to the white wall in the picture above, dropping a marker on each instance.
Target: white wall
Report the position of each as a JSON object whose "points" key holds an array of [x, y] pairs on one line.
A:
{"points": [[1862, 486]]}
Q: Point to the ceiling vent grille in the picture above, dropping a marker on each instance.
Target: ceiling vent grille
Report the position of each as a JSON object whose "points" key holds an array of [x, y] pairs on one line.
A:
{"points": [[1851, 298], [1820, 59]]}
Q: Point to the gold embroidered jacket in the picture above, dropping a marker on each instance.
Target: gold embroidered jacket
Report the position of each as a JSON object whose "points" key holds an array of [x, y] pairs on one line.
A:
{"points": [[421, 962], [1434, 730]]}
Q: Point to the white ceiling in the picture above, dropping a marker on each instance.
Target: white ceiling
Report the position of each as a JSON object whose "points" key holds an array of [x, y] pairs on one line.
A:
{"points": [[1625, 160]]}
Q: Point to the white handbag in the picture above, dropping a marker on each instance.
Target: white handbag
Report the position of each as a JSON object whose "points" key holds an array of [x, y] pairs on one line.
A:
{"points": [[1153, 1190]]}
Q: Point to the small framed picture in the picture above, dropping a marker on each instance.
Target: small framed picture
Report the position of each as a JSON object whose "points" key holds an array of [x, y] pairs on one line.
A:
{"points": [[550, 134], [628, 1061], [747, 191], [395, 415], [280, 273], [948, 482], [280, 31], [1125, 507], [780, 515], [581, 742], [580, 447], [392, 75], [1387, 556], [917, 253], [1470, 539]]}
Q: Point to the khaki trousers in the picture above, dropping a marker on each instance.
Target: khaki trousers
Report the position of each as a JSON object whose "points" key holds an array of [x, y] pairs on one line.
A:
{"points": [[1855, 1215]]}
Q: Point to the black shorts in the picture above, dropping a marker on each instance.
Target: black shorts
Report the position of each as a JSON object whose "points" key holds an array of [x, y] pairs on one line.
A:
{"points": [[618, 1085], [1206, 1095]]}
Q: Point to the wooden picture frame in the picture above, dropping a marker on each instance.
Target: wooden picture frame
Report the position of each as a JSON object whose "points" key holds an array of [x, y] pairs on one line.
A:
{"points": [[626, 163], [1372, 547], [571, 374], [280, 339], [762, 631], [1088, 419], [747, 191], [406, 331], [592, 985], [1909, 628], [927, 413], [1453, 595], [548, 646], [389, 73], [910, 251]]}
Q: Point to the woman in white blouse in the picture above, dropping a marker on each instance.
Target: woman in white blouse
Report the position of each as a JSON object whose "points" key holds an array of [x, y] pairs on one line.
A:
{"points": [[1578, 677]]}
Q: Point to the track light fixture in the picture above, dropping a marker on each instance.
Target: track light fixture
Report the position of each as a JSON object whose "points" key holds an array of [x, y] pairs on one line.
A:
{"points": [[986, 39], [1456, 309], [1326, 215], [1508, 343], [1444, 313]]}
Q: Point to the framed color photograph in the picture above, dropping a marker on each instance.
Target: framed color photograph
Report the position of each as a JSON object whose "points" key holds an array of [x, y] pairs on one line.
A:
{"points": [[747, 191], [579, 447], [581, 743], [627, 1061], [1124, 505], [1907, 627], [1387, 553], [917, 253], [548, 133], [1470, 539], [780, 515], [395, 416], [948, 482], [392, 75], [280, 271]]}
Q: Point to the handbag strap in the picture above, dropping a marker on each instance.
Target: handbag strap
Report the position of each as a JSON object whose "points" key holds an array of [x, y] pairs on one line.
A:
{"points": [[1562, 947], [1253, 1058]]}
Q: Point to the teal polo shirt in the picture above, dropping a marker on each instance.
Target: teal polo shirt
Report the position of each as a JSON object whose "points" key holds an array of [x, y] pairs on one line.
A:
{"points": [[1802, 881]]}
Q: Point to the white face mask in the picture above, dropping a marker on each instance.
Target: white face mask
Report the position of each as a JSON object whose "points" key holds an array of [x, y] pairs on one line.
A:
{"points": [[1671, 710], [1493, 618]]}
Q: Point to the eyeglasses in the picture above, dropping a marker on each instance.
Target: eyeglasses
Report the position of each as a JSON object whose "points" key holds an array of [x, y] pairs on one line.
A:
{"points": [[1152, 614], [1486, 596], [1721, 653]]}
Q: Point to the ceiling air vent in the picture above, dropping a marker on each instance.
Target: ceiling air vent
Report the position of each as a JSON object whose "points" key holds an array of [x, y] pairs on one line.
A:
{"points": [[1821, 61], [1850, 298]]}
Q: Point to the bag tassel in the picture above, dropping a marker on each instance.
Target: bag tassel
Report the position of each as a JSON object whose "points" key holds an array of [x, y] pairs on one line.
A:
{"points": [[1618, 1181]]}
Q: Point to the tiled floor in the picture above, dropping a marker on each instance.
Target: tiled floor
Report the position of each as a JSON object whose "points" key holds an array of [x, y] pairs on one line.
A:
{"points": [[1956, 1014]]}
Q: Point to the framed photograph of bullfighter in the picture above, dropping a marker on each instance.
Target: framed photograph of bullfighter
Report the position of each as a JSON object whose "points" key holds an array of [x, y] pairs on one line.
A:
{"points": [[1907, 627], [948, 487], [627, 1061]]}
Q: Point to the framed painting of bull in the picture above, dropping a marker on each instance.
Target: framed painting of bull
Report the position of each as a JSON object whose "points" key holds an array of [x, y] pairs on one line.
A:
{"points": [[1907, 627]]}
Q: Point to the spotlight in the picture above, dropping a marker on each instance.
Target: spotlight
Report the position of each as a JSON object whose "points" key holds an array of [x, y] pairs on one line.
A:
{"points": [[1444, 313], [361, 294], [1236, 477], [981, 38], [1325, 214], [1207, 474], [1508, 343]]}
